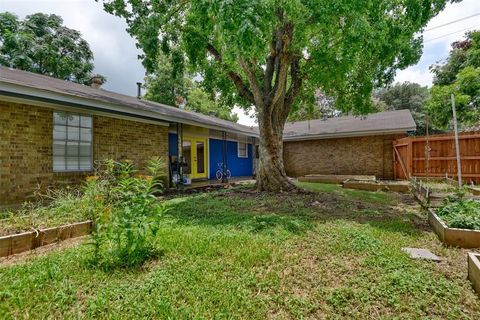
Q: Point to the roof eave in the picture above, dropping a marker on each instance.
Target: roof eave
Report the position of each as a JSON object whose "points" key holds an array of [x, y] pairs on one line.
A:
{"points": [[50, 97], [350, 134]]}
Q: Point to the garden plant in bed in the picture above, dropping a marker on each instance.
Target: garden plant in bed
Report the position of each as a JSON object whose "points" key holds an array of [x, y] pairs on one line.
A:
{"points": [[121, 204], [459, 212]]}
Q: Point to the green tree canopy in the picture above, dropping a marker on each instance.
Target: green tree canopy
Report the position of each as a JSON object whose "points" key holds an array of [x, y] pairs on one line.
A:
{"points": [[460, 75], [321, 106], [167, 81], [407, 95], [41, 44], [200, 101], [170, 80], [273, 54]]}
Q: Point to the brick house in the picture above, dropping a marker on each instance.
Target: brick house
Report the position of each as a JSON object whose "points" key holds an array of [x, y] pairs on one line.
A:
{"points": [[345, 145], [53, 131]]}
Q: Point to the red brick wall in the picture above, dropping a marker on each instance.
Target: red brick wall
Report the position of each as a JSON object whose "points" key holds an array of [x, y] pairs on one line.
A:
{"points": [[26, 148], [369, 155]]}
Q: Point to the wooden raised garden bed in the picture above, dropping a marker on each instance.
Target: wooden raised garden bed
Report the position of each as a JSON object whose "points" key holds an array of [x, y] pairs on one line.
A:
{"points": [[333, 178], [463, 238], [432, 198], [474, 270], [16, 243], [395, 186], [425, 195], [475, 190]]}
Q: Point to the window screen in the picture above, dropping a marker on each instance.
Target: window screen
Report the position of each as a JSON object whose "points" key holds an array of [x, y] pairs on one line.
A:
{"points": [[242, 150], [72, 142]]}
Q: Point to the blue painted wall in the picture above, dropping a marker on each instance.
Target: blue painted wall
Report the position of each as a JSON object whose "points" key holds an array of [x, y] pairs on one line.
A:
{"points": [[172, 144], [237, 166]]}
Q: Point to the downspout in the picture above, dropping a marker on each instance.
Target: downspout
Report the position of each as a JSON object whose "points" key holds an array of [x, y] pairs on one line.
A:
{"points": [[179, 155], [254, 157], [224, 154]]}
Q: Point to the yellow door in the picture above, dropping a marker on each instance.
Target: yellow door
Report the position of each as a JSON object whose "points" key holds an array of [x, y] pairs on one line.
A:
{"points": [[194, 149]]}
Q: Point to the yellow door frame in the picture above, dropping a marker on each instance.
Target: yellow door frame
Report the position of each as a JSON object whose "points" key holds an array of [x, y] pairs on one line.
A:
{"points": [[193, 156]]}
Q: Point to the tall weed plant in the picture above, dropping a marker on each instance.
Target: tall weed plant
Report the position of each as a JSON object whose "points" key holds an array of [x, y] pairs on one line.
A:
{"points": [[125, 212]]}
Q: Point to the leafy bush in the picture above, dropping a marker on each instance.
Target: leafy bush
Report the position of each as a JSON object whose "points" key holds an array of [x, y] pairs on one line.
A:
{"points": [[125, 212], [458, 212]]}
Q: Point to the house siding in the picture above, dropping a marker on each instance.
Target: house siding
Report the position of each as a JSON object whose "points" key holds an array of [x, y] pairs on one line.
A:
{"points": [[239, 167], [26, 148], [367, 155]]}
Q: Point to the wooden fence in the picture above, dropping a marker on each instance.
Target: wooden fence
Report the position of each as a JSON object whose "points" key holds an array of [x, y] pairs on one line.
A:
{"points": [[434, 156]]}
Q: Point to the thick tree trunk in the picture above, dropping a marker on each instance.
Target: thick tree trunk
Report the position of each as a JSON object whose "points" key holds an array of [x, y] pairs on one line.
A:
{"points": [[272, 91], [271, 174]]}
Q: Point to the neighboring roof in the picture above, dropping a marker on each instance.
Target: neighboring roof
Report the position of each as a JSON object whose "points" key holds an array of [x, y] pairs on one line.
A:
{"points": [[32, 86], [399, 121]]}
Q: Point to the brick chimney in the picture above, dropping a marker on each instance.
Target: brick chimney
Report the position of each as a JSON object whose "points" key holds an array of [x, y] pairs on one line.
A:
{"points": [[96, 82]]}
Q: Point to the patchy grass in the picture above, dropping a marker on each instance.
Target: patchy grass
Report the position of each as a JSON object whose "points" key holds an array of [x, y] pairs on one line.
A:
{"points": [[332, 253], [373, 197]]}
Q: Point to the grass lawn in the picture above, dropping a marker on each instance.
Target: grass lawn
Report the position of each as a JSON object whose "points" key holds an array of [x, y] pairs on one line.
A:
{"points": [[333, 253]]}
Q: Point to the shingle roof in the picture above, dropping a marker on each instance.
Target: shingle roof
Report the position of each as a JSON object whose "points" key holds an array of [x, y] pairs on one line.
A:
{"points": [[383, 122], [75, 90], [375, 123]]}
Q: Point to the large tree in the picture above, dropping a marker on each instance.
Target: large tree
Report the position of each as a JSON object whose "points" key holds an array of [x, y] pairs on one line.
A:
{"points": [[272, 54], [40, 43], [459, 75]]}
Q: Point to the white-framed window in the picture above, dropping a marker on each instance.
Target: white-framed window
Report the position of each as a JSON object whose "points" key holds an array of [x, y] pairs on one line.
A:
{"points": [[72, 142], [242, 149]]}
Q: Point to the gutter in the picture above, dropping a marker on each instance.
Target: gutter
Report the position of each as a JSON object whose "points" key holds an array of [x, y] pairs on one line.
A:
{"points": [[349, 134]]}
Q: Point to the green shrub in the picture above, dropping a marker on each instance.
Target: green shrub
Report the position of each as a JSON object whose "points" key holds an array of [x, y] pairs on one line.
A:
{"points": [[125, 212], [459, 212]]}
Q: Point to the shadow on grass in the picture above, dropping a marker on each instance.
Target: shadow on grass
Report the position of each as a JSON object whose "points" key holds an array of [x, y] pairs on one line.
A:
{"points": [[294, 213]]}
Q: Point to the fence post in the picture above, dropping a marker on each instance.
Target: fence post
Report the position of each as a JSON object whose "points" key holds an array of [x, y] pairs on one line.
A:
{"points": [[457, 147]]}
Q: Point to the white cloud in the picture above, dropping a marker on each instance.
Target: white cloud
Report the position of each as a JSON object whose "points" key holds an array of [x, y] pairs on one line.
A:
{"points": [[437, 44], [245, 118], [116, 55], [114, 50], [413, 74], [453, 11]]}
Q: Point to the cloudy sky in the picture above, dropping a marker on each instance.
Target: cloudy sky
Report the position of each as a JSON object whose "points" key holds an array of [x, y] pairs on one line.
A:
{"points": [[116, 55]]}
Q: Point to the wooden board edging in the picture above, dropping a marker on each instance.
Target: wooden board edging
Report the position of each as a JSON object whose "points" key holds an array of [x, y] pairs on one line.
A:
{"points": [[17, 243], [333, 178], [474, 270], [455, 237], [376, 186]]}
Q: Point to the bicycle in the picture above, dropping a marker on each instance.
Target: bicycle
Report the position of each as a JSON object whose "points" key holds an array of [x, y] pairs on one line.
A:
{"points": [[219, 174]]}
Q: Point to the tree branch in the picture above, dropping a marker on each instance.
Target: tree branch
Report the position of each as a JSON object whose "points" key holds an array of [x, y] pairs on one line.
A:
{"points": [[295, 86], [242, 88], [269, 69], [252, 79], [282, 62]]}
